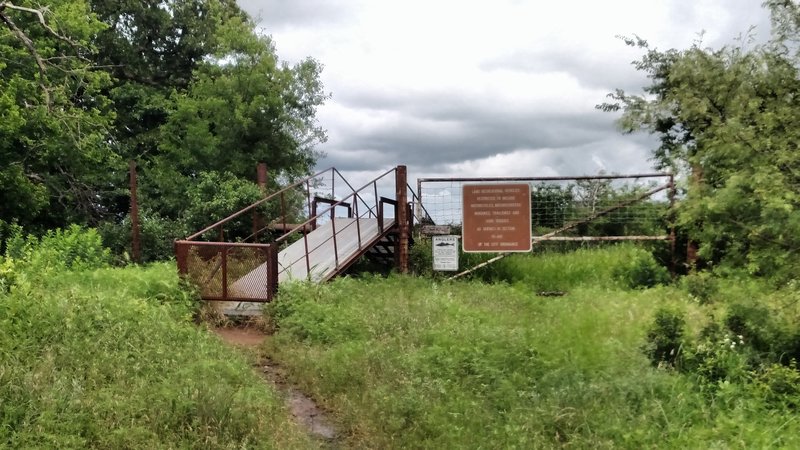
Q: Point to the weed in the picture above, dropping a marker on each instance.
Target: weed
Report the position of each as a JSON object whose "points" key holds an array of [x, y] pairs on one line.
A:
{"points": [[665, 338]]}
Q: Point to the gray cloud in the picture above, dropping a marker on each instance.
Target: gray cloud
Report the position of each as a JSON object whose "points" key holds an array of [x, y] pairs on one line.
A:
{"points": [[605, 71], [276, 14], [431, 128], [420, 143]]}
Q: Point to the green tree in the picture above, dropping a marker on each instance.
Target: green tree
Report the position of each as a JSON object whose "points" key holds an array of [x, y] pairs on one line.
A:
{"points": [[727, 119], [198, 90], [54, 116], [184, 87]]}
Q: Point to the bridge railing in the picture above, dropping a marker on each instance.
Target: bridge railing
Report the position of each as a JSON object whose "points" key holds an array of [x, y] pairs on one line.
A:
{"points": [[362, 203], [250, 239]]}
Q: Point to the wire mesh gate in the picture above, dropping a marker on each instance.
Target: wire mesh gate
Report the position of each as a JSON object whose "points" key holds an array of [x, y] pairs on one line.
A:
{"points": [[583, 208]]}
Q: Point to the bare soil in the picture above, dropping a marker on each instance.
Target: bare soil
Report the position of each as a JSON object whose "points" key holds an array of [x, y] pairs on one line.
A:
{"points": [[302, 407]]}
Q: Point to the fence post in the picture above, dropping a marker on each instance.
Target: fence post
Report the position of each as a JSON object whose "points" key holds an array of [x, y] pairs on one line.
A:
{"points": [[181, 255], [136, 247], [261, 179], [418, 204], [272, 271], [403, 231], [672, 218]]}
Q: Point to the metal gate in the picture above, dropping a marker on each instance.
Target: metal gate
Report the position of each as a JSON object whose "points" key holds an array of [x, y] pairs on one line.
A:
{"points": [[596, 208]]}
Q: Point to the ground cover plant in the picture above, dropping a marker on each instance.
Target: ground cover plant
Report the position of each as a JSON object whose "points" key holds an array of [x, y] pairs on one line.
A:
{"points": [[416, 363], [93, 356]]}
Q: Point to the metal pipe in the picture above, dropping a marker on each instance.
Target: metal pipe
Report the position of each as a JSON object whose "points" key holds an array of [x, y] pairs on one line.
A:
{"points": [[585, 177], [254, 205], [224, 271]]}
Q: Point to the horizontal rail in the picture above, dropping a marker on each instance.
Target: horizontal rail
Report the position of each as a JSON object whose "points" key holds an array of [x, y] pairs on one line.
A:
{"points": [[332, 207], [556, 178], [220, 244], [256, 204], [600, 238]]}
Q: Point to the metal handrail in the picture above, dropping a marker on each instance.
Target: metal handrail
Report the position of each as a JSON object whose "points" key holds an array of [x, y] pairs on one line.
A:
{"points": [[418, 201], [258, 203], [333, 205]]}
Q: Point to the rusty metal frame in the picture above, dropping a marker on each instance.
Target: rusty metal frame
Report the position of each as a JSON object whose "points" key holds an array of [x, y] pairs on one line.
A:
{"points": [[271, 249]]}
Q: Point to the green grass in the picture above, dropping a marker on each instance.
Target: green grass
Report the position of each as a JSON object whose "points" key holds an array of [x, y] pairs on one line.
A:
{"points": [[413, 363], [110, 359]]}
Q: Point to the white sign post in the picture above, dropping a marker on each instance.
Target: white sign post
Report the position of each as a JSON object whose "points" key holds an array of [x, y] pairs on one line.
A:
{"points": [[445, 253]]}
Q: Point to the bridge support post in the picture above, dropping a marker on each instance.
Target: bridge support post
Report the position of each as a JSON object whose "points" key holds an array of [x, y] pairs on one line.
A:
{"points": [[261, 177], [403, 228]]}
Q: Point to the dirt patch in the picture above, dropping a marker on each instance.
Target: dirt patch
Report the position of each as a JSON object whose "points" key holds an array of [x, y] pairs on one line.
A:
{"points": [[302, 407], [304, 410], [241, 337]]}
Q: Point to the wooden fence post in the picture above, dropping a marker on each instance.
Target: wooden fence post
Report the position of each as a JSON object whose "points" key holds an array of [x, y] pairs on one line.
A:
{"points": [[403, 229], [136, 246]]}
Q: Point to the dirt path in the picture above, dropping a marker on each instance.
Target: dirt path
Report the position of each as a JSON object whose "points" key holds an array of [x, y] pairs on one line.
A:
{"points": [[303, 409]]}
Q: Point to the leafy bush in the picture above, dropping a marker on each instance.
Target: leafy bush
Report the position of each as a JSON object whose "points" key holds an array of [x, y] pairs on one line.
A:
{"points": [[73, 248], [157, 235], [641, 271], [665, 338], [702, 286], [779, 385]]}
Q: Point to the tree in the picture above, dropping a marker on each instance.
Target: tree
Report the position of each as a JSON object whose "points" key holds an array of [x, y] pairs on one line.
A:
{"points": [[184, 87], [727, 119], [197, 90], [53, 115]]}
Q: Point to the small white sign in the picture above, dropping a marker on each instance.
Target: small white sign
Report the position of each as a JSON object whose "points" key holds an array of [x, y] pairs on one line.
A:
{"points": [[445, 253]]}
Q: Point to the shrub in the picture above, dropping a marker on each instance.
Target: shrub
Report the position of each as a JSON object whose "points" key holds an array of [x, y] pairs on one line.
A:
{"points": [[641, 271], [665, 338], [779, 385], [31, 258], [157, 235], [702, 286], [72, 248]]}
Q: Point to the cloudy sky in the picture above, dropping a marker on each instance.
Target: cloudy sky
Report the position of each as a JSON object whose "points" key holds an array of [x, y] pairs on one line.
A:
{"points": [[486, 88]]}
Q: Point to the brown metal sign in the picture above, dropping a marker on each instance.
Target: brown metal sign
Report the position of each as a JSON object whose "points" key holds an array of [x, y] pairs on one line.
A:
{"points": [[497, 217]]}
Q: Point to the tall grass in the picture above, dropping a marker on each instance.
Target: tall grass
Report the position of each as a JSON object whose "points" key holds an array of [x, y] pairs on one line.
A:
{"points": [[110, 359], [415, 363]]}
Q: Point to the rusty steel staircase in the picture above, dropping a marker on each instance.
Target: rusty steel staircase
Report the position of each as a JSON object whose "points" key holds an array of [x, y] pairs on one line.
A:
{"points": [[244, 258]]}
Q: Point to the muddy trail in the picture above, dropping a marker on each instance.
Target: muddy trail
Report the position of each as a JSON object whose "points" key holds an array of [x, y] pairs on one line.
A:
{"points": [[304, 410]]}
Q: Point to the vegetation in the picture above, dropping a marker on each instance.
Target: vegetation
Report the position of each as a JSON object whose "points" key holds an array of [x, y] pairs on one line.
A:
{"points": [[590, 348], [98, 357], [417, 363], [727, 121], [189, 90]]}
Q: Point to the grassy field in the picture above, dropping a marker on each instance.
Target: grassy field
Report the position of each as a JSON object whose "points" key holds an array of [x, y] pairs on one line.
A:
{"points": [[110, 359], [412, 363]]}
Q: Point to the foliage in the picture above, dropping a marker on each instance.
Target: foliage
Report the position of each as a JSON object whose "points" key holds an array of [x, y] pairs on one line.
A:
{"points": [[54, 115], [702, 286], [665, 338], [408, 362], [641, 270], [190, 90], [72, 248], [727, 120], [109, 358], [551, 204], [747, 346]]}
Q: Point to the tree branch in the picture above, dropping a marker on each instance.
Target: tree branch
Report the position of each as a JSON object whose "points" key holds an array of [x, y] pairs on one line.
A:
{"points": [[40, 16], [29, 45], [26, 41]]}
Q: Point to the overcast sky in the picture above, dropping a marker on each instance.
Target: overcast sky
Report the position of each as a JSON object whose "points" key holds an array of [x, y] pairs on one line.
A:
{"points": [[486, 88]]}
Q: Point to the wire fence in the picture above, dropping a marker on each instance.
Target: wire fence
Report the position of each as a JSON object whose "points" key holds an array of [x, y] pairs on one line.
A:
{"points": [[562, 208]]}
